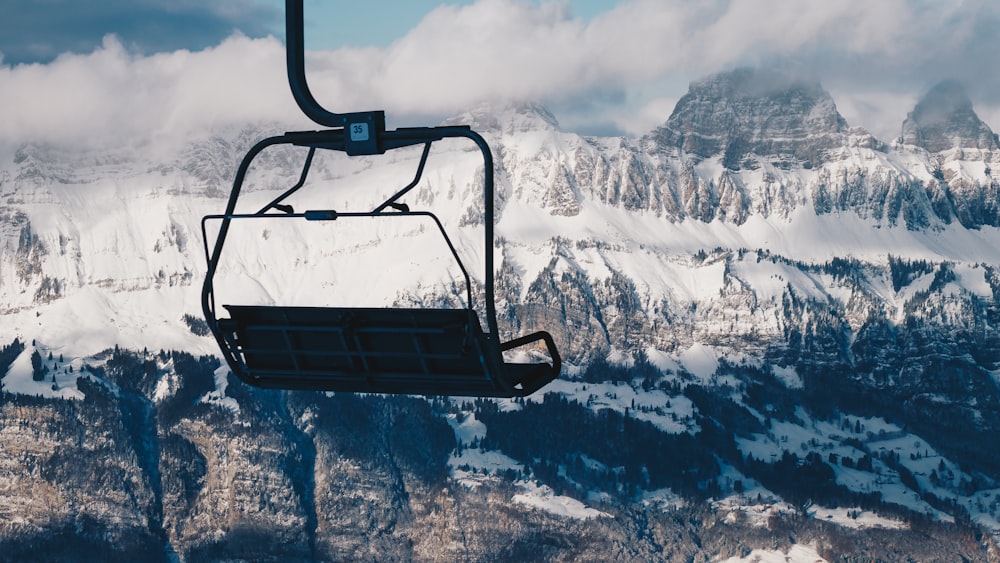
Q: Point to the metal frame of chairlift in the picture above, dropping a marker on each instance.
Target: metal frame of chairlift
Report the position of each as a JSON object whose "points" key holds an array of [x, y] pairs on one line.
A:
{"points": [[390, 350]]}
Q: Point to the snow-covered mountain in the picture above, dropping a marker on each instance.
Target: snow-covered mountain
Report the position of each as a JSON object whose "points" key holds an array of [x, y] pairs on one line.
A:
{"points": [[748, 161], [841, 291], [944, 120]]}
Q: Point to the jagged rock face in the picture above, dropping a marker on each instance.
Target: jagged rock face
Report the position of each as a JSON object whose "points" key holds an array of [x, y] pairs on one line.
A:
{"points": [[974, 203], [131, 474], [286, 477], [746, 112], [944, 119], [945, 124], [884, 194], [616, 175], [75, 468]]}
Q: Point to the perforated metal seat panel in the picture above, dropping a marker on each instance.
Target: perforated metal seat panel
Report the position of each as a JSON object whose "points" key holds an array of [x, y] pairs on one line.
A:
{"points": [[409, 351]]}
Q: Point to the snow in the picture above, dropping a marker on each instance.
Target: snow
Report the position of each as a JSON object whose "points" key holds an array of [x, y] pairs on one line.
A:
{"points": [[664, 500], [19, 377], [218, 396], [770, 279], [91, 320], [803, 235], [662, 361], [472, 467], [877, 438], [788, 376], [528, 261], [268, 262], [544, 498], [897, 493], [856, 518], [695, 283], [798, 553], [700, 360], [167, 382], [973, 278], [672, 414], [125, 237], [468, 430], [907, 292]]}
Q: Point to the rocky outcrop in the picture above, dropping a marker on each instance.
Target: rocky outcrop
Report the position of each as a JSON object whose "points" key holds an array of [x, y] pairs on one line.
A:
{"points": [[748, 114], [944, 119], [945, 124]]}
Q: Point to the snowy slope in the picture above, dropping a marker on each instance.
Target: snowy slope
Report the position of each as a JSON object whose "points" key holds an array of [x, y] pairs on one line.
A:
{"points": [[101, 250]]}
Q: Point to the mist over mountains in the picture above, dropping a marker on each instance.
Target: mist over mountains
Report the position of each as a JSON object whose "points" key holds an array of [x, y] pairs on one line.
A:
{"points": [[755, 292]]}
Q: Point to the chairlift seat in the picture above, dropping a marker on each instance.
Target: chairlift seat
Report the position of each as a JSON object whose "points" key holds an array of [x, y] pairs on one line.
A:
{"points": [[372, 350]]}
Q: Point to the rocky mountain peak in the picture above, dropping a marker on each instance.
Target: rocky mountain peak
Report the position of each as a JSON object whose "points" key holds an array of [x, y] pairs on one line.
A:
{"points": [[510, 118], [748, 112], [944, 119]]}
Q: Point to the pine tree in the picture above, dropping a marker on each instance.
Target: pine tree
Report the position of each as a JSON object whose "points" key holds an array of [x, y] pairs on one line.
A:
{"points": [[36, 366]]}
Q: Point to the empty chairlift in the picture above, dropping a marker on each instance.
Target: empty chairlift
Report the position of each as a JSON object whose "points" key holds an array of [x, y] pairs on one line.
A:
{"points": [[420, 351]]}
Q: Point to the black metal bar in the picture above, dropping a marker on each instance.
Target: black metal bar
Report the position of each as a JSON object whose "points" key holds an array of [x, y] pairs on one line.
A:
{"points": [[345, 354], [302, 180], [361, 353], [328, 215], [362, 330], [363, 130], [445, 383], [295, 59], [207, 291], [545, 337], [411, 185], [286, 336]]}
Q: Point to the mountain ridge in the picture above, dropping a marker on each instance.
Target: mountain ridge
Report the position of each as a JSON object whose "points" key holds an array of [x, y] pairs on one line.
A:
{"points": [[944, 119], [747, 111], [549, 182], [804, 314]]}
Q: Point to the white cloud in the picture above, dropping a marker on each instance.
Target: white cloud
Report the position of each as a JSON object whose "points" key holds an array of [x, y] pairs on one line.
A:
{"points": [[882, 53], [112, 97], [620, 70]]}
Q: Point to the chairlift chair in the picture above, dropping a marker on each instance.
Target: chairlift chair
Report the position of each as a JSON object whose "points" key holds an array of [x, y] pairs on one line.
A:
{"points": [[360, 349]]}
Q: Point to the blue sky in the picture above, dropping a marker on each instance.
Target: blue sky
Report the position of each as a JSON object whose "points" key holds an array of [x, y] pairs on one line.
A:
{"points": [[602, 67], [335, 23], [37, 31]]}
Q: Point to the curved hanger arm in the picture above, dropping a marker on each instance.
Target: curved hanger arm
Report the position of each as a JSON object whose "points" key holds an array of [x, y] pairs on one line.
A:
{"points": [[296, 61], [371, 123]]}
